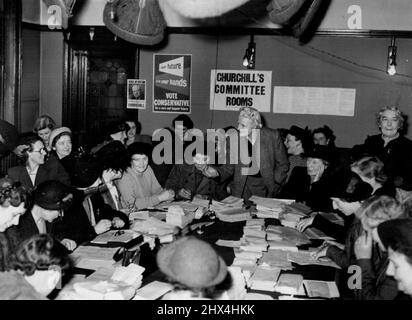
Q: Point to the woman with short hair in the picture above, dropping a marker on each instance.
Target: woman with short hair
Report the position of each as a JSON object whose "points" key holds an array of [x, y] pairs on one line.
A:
{"points": [[39, 264], [43, 126], [12, 205], [138, 186], [60, 142]]}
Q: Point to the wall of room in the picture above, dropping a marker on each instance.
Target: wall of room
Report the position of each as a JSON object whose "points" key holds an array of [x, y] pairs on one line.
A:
{"points": [[30, 84], [51, 71], [335, 62]]}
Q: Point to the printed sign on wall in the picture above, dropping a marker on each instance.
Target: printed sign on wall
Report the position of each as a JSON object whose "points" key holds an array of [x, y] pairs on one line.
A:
{"points": [[136, 94], [171, 83], [233, 89]]}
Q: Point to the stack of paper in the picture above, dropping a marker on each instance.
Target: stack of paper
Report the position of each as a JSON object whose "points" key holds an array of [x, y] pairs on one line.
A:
{"points": [[255, 223], [264, 278], [290, 220], [233, 215], [153, 226], [269, 207], [321, 289], [153, 290], [228, 203], [90, 257], [233, 201], [178, 217], [253, 232], [246, 258], [298, 208], [276, 258], [253, 244], [282, 245], [289, 283]]}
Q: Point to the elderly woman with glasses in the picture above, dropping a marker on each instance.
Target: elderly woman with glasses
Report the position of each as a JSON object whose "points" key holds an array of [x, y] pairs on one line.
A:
{"points": [[35, 168]]}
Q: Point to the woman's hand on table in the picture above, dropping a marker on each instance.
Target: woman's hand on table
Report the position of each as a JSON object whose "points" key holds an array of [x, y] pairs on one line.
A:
{"points": [[363, 246], [166, 195], [304, 223], [320, 252], [117, 223], [102, 226], [69, 244], [184, 193]]}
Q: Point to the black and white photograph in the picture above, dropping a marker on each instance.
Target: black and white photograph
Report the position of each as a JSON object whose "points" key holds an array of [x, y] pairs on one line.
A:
{"points": [[237, 152]]}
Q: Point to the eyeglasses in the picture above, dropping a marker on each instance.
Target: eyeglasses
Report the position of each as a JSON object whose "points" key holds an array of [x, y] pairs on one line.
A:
{"points": [[41, 150]]}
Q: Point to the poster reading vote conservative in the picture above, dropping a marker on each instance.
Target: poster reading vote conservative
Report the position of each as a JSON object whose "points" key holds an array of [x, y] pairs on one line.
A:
{"points": [[233, 89], [171, 83]]}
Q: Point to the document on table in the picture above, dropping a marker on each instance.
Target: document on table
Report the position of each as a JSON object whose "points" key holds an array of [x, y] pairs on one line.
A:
{"points": [[305, 258], [321, 289], [153, 290], [122, 236]]}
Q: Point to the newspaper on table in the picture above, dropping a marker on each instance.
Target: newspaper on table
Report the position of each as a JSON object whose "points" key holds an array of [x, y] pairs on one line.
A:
{"points": [[152, 291], [276, 258], [289, 283]]}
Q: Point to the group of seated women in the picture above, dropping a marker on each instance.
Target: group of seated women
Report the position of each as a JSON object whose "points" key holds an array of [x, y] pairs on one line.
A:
{"points": [[61, 196]]}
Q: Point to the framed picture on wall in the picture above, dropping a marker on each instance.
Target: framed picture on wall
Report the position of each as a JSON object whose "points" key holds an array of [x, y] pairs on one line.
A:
{"points": [[136, 94]]}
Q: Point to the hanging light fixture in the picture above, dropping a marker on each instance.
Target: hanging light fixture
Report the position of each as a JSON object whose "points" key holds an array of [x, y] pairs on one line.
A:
{"points": [[391, 62], [250, 54]]}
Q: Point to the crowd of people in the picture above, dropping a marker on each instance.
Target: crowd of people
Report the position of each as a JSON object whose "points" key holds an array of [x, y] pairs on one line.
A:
{"points": [[59, 197]]}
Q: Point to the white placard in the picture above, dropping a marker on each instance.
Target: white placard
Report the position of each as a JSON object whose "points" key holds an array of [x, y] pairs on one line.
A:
{"points": [[232, 89], [314, 100]]}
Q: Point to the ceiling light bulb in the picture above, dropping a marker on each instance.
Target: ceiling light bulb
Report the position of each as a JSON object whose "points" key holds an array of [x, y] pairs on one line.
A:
{"points": [[392, 70], [245, 62]]}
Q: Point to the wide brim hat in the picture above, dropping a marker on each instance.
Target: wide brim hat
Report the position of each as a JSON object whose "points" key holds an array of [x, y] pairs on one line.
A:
{"points": [[321, 152], [140, 148], [192, 262], [140, 25], [52, 195], [85, 172], [199, 9], [112, 155], [281, 11], [58, 131]]}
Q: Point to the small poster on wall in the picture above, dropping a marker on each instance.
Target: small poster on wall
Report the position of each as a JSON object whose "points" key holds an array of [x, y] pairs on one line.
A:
{"points": [[136, 94], [172, 83], [232, 89]]}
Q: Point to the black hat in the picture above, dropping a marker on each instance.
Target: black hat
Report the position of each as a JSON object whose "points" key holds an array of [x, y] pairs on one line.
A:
{"points": [[350, 187], [397, 233], [112, 155], [85, 172], [115, 127], [321, 152], [140, 148], [133, 22], [187, 122], [52, 195]]}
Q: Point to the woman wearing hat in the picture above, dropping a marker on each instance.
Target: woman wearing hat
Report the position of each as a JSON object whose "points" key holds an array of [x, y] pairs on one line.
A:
{"points": [[35, 168], [12, 206], [38, 266], [60, 142], [311, 185], [396, 237], [195, 269], [138, 186], [115, 132], [54, 212]]}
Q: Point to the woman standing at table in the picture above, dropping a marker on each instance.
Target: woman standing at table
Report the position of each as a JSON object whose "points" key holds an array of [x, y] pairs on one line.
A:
{"points": [[138, 186]]}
